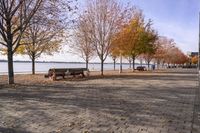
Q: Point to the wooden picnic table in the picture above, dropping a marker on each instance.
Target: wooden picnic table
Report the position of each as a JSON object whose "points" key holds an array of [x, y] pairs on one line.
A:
{"points": [[53, 73]]}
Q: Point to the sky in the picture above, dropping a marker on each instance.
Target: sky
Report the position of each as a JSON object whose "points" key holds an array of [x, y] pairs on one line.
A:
{"points": [[175, 19]]}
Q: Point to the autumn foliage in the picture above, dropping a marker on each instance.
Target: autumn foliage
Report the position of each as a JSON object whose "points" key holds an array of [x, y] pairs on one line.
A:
{"points": [[104, 28], [195, 60], [168, 53], [135, 38]]}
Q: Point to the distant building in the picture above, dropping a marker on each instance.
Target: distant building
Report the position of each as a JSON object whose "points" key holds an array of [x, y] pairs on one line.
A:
{"points": [[192, 54]]}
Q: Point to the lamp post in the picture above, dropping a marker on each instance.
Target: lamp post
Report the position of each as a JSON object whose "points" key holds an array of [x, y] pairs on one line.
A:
{"points": [[198, 89], [199, 48], [196, 111], [198, 95]]}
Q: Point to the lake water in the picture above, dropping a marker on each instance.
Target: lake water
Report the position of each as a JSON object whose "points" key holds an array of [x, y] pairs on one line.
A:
{"points": [[26, 67]]}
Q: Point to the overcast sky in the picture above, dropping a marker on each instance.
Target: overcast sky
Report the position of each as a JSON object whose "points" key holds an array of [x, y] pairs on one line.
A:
{"points": [[176, 19]]}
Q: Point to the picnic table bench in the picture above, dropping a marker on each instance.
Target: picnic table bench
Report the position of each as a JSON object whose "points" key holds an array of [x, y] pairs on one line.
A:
{"points": [[62, 72], [141, 68]]}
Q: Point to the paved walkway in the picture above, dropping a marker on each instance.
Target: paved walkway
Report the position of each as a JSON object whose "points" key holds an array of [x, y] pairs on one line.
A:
{"points": [[138, 103]]}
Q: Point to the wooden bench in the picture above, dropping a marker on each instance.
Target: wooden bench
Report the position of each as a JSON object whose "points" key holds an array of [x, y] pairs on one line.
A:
{"points": [[62, 72], [141, 68]]}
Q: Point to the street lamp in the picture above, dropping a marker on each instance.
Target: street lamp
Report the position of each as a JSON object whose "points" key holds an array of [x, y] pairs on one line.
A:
{"points": [[196, 110], [199, 48]]}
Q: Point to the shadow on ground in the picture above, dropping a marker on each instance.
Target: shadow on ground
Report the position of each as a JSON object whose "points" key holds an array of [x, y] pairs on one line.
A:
{"points": [[127, 103]]}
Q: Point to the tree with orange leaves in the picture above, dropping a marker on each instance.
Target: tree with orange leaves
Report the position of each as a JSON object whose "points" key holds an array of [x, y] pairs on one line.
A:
{"points": [[168, 52], [195, 60], [127, 41]]}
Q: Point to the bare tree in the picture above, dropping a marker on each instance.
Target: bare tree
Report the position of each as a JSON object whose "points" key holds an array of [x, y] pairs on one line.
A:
{"points": [[15, 16], [164, 46], [39, 40], [104, 17], [46, 30], [83, 45]]}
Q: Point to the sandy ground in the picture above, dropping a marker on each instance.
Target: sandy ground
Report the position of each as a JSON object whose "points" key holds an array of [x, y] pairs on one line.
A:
{"points": [[139, 102]]}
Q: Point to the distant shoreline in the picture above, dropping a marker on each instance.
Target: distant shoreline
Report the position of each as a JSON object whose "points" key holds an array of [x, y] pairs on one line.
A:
{"points": [[25, 67], [5, 61]]}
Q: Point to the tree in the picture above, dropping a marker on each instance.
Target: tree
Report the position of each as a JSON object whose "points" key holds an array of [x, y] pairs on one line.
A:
{"points": [[105, 17], [178, 56], [39, 41], [15, 16], [116, 48], [1, 49], [168, 52], [163, 46], [148, 46], [83, 45], [170, 48], [114, 58], [129, 61], [182, 58], [46, 30], [195, 60], [114, 52], [134, 37]]}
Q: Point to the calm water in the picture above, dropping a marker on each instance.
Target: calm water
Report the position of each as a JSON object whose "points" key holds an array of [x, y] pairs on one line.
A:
{"points": [[44, 67]]}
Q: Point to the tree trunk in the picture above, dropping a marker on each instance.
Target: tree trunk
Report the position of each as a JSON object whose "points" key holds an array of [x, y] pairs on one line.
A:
{"points": [[10, 53], [10, 66], [168, 65], [133, 58], [158, 64], [148, 63], [163, 64], [129, 63], [102, 67], [33, 65], [120, 67], [86, 64], [114, 63], [102, 62]]}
